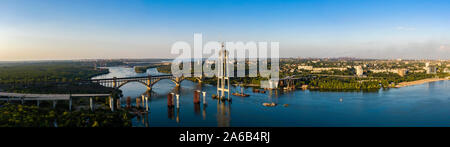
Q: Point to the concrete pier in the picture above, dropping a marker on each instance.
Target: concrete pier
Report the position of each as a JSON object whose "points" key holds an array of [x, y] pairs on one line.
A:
{"points": [[146, 105], [178, 101], [138, 103], [111, 103], [170, 100], [128, 102], [204, 97], [143, 100], [118, 103], [70, 104], [91, 104], [54, 104]]}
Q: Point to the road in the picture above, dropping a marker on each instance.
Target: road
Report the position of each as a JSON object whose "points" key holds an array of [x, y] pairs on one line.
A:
{"points": [[47, 96]]}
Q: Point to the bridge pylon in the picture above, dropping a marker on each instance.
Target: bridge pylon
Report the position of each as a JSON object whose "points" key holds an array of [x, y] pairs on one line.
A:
{"points": [[223, 80]]}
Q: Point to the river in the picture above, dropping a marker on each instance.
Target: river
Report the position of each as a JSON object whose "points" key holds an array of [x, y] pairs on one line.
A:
{"points": [[419, 105]]}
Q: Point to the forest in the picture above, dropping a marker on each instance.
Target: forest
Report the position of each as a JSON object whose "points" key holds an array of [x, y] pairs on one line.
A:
{"points": [[50, 77], [16, 115]]}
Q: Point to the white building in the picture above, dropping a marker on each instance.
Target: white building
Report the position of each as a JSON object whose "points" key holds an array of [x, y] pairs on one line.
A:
{"points": [[401, 72], [359, 71], [446, 70], [305, 67], [319, 69], [431, 69]]}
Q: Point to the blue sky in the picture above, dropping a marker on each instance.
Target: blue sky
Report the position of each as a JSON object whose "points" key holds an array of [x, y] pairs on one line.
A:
{"points": [[79, 29]]}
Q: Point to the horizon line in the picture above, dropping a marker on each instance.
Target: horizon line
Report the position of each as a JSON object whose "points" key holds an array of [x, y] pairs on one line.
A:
{"points": [[87, 59]]}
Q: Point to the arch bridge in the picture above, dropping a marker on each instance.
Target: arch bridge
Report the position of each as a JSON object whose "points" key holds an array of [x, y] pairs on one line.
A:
{"points": [[147, 81]]}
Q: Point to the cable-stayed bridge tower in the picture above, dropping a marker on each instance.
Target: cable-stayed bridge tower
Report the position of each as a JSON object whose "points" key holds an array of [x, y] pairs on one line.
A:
{"points": [[223, 79]]}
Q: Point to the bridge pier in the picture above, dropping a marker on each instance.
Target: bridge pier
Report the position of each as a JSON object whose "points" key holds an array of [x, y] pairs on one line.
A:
{"points": [[146, 105], [138, 103], [118, 104], [149, 83], [114, 82], [111, 103], [204, 98], [38, 102], [54, 104], [91, 104], [178, 101], [70, 104], [170, 100], [143, 100]]}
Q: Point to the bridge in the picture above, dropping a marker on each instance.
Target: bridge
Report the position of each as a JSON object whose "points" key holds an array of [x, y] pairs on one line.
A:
{"points": [[4, 96], [115, 83], [12, 96], [147, 81]]}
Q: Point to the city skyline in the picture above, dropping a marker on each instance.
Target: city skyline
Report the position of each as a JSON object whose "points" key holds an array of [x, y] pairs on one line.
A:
{"points": [[66, 30]]}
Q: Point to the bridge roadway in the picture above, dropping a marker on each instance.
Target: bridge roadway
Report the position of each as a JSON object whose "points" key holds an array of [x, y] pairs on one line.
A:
{"points": [[128, 78], [20, 96], [23, 96]]}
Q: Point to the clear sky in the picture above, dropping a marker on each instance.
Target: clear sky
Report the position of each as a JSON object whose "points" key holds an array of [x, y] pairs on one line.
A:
{"points": [[86, 29]]}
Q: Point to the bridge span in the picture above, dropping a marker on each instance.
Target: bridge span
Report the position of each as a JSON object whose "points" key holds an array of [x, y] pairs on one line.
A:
{"points": [[147, 81], [12, 96]]}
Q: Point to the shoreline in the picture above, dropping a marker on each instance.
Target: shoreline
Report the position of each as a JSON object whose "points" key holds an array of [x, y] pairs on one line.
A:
{"points": [[418, 82]]}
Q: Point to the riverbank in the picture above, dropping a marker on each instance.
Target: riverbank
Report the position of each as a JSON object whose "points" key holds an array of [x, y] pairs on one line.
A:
{"points": [[247, 85], [403, 84]]}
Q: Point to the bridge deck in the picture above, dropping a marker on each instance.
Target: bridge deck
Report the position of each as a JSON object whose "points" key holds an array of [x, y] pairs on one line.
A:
{"points": [[13, 96], [141, 77], [35, 99]]}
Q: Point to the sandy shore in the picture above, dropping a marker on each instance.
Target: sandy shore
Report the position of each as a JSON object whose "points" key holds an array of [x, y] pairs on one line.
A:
{"points": [[403, 84]]}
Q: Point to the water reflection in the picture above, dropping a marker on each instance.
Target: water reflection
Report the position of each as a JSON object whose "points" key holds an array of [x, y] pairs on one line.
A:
{"points": [[170, 112], [178, 115], [204, 111], [143, 117], [197, 109], [223, 114]]}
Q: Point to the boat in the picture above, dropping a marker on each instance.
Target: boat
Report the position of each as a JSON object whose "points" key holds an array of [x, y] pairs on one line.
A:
{"points": [[214, 96], [258, 91], [242, 94], [269, 104]]}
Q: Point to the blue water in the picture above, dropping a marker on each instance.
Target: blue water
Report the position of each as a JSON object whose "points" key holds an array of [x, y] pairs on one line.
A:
{"points": [[419, 105]]}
